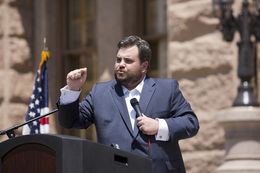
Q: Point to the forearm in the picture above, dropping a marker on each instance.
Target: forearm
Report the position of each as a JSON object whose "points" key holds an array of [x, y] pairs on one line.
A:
{"points": [[68, 114], [182, 127]]}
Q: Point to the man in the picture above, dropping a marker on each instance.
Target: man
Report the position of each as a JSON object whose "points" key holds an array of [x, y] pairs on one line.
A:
{"points": [[167, 117]]}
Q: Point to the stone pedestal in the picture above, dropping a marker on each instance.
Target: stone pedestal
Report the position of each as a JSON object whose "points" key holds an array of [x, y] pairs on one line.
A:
{"points": [[242, 135]]}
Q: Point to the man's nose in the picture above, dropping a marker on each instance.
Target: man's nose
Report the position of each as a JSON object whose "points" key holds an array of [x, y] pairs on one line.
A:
{"points": [[122, 63]]}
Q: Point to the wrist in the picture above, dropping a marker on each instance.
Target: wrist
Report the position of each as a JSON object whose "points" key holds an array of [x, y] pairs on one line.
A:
{"points": [[157, 124], [73, 88]]}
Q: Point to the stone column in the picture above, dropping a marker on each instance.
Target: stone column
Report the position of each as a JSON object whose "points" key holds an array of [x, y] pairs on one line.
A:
{"points": [[109, 31], [242, 133]]}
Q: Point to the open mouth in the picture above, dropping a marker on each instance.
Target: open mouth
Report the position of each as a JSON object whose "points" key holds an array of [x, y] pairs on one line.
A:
{"points": [[120, 72]]}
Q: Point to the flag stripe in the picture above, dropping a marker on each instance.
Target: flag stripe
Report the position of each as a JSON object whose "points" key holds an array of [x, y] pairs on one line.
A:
{"points": [[44, 121]]}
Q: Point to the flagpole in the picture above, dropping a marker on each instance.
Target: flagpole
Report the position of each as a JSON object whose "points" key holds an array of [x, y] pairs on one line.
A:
{"points": [[44, 44]]}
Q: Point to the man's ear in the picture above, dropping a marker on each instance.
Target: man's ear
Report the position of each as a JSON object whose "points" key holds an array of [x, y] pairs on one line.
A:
{"points": [[145, 66]]}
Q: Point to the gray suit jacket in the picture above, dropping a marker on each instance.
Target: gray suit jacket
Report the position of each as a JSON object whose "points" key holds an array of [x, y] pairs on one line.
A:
{"points": [[160, 98]]}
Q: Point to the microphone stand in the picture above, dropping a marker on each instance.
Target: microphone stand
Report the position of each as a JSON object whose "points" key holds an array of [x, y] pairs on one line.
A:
{"points": [[10, 131]]}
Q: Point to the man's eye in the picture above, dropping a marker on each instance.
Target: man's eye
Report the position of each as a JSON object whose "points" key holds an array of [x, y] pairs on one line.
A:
{"points": [[118, 60], [128, 61]]}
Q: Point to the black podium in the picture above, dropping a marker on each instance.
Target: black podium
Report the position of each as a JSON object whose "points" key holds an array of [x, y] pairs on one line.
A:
{"points": [[66, 154]]}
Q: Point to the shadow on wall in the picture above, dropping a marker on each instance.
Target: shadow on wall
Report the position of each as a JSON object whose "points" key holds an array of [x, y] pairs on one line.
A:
{"points": [[21, 35]]}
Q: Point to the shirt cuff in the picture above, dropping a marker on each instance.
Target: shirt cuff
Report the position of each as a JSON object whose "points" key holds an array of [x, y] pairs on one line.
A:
{"points": [[68, 96], [163, 131]]}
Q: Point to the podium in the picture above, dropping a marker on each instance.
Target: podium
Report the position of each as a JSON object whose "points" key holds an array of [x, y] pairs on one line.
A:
{"points": [[66, 154]]}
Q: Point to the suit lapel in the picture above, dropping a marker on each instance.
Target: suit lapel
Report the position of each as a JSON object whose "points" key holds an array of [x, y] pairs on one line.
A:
{"points": [[147, 92], [118, 97]]}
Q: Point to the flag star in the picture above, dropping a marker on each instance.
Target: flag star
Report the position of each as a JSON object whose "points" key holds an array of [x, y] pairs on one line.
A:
{"points": [[35, 123], [38, 110], [36, 131], [31, 105], [39, 89], [37, 102], [31, 114], [32, 96]]}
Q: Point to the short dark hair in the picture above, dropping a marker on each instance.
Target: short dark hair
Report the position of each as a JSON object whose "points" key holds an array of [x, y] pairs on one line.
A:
{"points": [[145, 52]]}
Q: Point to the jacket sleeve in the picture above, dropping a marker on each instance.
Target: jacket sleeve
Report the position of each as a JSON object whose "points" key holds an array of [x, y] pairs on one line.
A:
{"points": [[75, 114], [68, 114], [183, 123]]}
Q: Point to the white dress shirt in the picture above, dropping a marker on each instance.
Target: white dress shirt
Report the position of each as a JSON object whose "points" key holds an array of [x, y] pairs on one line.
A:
{"points": [[69, 96]]}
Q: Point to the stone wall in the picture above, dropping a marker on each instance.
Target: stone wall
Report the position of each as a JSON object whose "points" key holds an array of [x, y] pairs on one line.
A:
{"points": [[205, 66], [15, 61]]}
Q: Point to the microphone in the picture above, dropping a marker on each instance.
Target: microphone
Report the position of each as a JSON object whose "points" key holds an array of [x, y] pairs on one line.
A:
{"points": [[10, 131], [135, 105]]}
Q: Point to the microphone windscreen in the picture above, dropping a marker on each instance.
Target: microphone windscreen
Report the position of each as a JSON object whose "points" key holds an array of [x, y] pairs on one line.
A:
{"points": [[134, 102]]}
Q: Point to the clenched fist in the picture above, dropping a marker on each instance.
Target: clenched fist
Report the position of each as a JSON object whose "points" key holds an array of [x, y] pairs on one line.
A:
{"points": [[76, 79]]}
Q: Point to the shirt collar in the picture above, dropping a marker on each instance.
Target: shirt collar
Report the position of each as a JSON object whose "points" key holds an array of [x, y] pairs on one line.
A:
{"points": [[139, 87]]}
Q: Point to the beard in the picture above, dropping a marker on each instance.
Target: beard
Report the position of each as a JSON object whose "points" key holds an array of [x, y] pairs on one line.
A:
{"points": [[130, 81]]}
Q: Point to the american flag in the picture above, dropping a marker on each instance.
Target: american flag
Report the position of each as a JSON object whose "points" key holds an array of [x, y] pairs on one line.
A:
{"points": [[38, 104]]}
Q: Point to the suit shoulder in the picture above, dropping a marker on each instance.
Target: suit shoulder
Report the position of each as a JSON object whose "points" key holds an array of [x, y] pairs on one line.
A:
{"points": [[104, 84], [165, 81]]}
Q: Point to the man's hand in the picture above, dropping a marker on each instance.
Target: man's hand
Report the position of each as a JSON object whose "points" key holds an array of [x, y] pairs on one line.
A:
{"points": [[147, 125], [76, 79]]}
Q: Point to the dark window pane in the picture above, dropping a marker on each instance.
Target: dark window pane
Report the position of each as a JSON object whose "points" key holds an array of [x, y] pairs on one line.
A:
{"points": [[81, 23], [150, 17]]}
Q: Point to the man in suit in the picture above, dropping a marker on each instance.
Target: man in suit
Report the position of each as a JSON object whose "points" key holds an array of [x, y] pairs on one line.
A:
{"points": [[166, 116]]}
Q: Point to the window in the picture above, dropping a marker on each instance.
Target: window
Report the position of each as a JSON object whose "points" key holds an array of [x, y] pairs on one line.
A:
{"points": [[153, 28], [80, 46]]}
